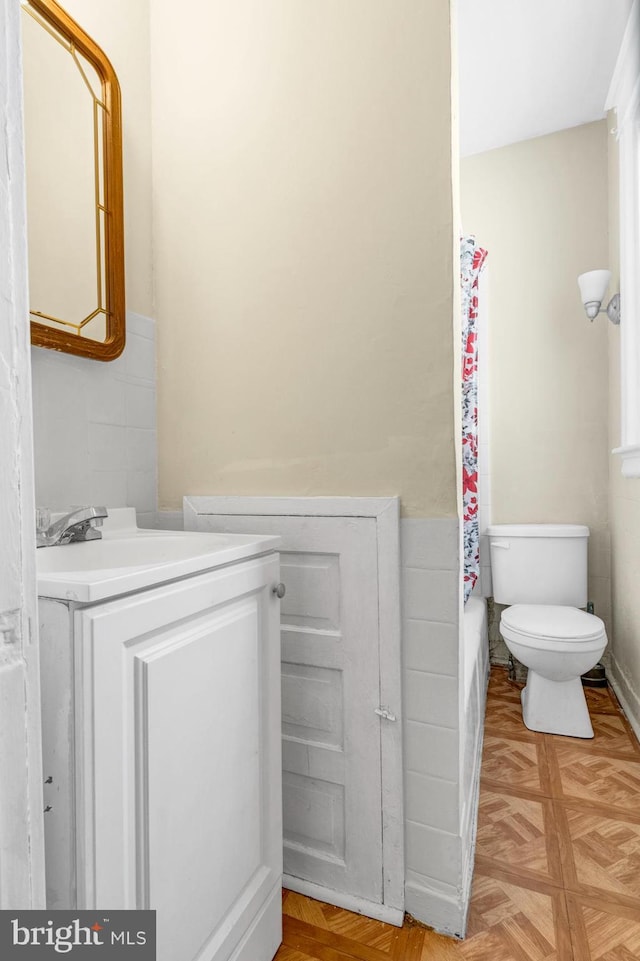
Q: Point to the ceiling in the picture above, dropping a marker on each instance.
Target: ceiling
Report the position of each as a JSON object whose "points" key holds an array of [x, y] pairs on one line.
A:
{"points": [[531, 67]]}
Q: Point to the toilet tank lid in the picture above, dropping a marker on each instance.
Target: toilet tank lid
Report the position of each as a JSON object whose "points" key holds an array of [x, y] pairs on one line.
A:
{"points": [[537, 530]]}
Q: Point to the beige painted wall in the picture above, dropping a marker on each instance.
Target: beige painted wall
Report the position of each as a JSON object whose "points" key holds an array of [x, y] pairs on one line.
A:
{"points": [[540, 207], [303, 249], [121, 28], [624, 495]]}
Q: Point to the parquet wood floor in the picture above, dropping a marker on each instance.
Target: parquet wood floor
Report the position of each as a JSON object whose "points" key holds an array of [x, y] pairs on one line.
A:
{"points": [[557, 873]]}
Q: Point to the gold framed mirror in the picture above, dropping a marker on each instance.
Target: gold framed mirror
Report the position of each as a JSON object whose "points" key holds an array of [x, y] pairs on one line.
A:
{"points": [[73, 147]]}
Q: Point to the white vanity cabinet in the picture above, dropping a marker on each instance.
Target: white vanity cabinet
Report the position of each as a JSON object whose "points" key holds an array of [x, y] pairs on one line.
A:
{"points": [[162, 755]]}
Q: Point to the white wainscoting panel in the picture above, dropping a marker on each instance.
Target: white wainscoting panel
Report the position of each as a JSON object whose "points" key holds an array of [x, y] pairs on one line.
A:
{"points": [[342, 783]]}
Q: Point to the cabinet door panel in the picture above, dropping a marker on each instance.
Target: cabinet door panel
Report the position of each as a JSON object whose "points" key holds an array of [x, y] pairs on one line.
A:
{"points": [[181, 731], [331, 737]]}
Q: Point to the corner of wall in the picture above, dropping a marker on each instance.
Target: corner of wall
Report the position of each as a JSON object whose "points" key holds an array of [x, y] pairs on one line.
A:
{"points": [[623, 688]]}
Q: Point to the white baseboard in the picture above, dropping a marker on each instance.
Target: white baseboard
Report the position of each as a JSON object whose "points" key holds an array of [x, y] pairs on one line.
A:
{"points": [[629, 700], [264, 937], [381, 912], [445, 912]]}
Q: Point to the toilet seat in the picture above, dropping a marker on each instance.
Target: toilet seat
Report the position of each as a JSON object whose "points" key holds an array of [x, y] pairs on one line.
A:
{"points": [[551, 627]]}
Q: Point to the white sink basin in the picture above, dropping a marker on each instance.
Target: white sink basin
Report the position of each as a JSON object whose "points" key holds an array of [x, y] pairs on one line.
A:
{"points": [[128, 559]]}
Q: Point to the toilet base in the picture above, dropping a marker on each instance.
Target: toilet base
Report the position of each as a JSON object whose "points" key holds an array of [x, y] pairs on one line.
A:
{"points": [[555, 707]]}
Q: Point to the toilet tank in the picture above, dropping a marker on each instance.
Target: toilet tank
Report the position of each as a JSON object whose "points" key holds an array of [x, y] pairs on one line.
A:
{"points": [[539, 563]]}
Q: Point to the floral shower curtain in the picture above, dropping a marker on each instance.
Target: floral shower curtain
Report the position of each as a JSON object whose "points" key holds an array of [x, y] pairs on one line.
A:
{"points": [[472, 260]]}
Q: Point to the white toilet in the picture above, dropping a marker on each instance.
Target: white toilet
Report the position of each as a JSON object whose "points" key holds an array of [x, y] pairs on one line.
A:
{"points": [[541, 569]]}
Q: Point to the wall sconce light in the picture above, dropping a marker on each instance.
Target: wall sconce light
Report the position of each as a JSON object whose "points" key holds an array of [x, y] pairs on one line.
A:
{"points": [[593, 286]]}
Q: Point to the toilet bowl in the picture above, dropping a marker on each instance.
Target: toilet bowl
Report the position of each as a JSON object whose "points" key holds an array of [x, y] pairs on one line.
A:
{"points": [[540, 570], [557, 644]]}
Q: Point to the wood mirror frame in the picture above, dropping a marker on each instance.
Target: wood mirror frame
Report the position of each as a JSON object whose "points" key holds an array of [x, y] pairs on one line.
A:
{"points": [[53, 16]]}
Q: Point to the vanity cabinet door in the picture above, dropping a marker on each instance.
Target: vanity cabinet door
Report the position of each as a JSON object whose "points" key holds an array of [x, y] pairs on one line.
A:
{"points": [[178, 761]]}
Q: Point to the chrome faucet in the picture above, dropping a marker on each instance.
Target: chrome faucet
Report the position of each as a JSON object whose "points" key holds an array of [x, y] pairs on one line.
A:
{"points": [[79, 525]]}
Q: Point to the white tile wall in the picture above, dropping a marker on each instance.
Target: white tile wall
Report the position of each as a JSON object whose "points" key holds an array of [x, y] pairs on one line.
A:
{"points": [[431, 749], [431, 595], [95, 426], [431, 698], [431, 647], [432, 853], [432, 800], [443, 720], [430, 580], [430, 544]]}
